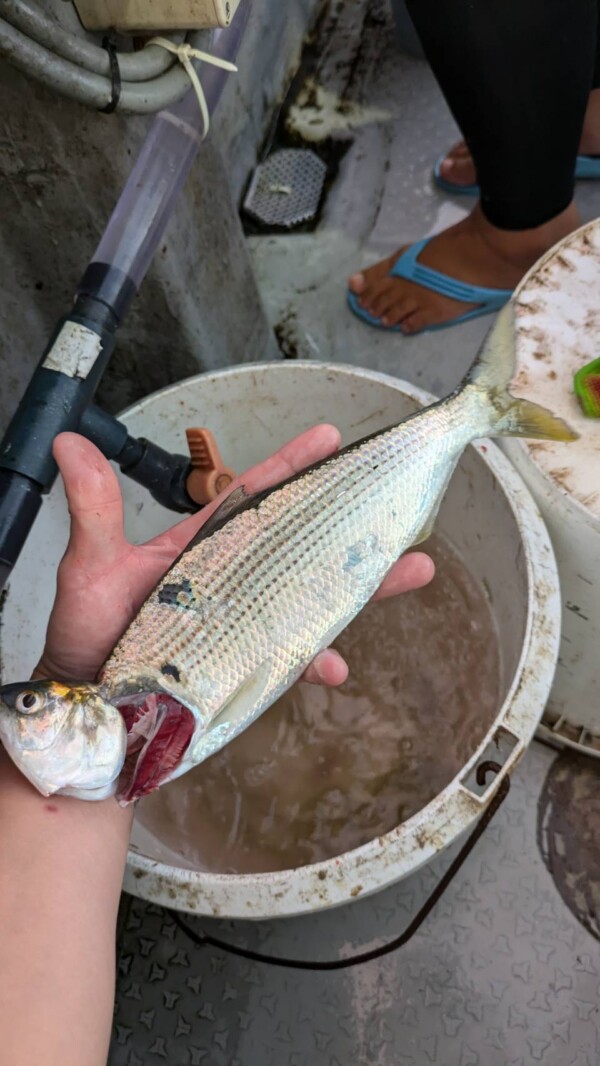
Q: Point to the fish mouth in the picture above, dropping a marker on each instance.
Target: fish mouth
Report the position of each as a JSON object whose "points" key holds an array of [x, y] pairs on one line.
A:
{"points": [[159, 732]]}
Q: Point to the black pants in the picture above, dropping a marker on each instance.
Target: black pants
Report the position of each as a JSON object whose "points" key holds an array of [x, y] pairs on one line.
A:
{"points": [[516, 75]]}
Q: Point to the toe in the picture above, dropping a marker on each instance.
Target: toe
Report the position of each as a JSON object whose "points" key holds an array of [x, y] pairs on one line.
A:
{"points": [[458, 151], [377, 279], [418, 320], [459, 171], [415, 322], [399, 311], [356, 283], [386, 297]]}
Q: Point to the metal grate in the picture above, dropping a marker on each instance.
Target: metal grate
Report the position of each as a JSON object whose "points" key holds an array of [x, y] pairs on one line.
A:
{"points": [[286, 190]]}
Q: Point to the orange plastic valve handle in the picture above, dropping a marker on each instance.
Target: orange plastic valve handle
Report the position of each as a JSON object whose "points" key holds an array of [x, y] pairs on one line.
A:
{"points": [[209, 476]]}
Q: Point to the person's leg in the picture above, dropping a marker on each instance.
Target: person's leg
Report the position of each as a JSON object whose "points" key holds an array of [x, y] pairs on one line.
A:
{"points": [[458, 166], [516, 75], [590, 138]]}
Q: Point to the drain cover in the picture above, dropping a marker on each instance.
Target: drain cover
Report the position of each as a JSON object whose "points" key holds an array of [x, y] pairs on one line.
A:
{"points": [[285, 191]]}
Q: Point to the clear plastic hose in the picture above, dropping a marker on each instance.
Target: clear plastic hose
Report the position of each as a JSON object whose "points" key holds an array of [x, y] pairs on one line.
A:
{"points": [[147, 201]]}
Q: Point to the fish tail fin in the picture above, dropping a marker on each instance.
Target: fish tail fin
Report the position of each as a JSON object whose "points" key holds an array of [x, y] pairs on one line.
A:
{"points": [[491, 375]]}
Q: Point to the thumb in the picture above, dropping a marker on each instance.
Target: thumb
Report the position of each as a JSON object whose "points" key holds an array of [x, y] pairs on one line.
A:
{"points": [[94, 498]]}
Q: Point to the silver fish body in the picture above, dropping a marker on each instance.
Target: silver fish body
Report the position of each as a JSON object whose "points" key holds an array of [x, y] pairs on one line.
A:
{"points": [[270, 580], [243, 612]]}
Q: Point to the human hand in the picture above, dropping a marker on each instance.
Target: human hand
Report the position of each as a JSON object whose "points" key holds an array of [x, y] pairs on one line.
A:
{"points": [[103, 579]]}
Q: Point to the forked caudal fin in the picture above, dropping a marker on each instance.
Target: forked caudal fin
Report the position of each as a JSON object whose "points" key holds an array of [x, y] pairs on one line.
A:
{"points": [[491, 375]]}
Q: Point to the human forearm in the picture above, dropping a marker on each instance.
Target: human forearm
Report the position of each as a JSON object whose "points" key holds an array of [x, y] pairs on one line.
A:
{"points": [[61, 867]]}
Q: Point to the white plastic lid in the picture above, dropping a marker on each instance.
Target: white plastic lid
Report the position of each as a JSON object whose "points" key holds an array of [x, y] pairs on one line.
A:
{"points": [[558, 332]]}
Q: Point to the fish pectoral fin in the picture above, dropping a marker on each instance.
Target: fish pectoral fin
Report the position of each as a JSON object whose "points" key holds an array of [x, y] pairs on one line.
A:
{"points": [[236, 712], [427, 530]]}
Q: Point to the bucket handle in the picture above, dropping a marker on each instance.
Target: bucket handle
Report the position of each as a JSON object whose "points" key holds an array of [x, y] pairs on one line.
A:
{"points": [[483, 768], [505, 749]]}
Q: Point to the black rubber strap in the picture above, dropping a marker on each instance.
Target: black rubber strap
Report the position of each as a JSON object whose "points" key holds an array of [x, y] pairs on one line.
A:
{"points": [[115, 74]]}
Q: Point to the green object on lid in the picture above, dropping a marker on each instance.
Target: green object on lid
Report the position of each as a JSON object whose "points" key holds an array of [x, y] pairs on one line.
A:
{"points": [[587, 388]]}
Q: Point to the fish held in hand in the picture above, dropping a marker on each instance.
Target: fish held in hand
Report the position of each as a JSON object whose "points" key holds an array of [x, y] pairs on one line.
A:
{"points": [[268, 582]]}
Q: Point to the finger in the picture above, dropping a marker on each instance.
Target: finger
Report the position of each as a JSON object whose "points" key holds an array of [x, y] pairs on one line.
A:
{"points": [[412, 571], [315, 444], [94, 499], [327, 668]]}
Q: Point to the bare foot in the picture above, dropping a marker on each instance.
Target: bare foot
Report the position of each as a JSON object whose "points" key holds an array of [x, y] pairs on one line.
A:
{"points": [[458, 167], [473, 251], [590, 137]]}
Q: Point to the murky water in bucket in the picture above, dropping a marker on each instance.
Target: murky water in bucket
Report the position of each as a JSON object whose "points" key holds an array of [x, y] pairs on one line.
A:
{"points": [[324, 771]]}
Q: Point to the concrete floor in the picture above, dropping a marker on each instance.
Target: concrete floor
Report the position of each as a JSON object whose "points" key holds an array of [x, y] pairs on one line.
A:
{"points": [[501, 973]]}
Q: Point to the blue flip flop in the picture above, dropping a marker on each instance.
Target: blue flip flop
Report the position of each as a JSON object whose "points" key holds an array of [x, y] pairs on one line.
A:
{"points": [[587, 168], [407, 266]]}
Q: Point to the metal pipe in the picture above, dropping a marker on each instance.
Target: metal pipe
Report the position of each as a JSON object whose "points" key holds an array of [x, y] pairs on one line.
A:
{"points": [[145, 65]]}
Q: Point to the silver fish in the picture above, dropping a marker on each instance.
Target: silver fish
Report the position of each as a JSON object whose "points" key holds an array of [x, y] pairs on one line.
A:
{"points": [[267, 583]]}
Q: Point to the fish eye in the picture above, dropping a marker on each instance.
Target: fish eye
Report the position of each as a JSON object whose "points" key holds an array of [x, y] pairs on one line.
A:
{"points": [[28, 702]]}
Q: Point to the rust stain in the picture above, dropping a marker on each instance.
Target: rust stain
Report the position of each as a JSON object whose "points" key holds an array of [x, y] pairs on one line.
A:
{"points": [[562, 476], [538, 335]]}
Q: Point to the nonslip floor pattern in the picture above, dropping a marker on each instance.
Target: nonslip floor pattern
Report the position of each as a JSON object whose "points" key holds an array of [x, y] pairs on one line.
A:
{"points": [[501, 973]]}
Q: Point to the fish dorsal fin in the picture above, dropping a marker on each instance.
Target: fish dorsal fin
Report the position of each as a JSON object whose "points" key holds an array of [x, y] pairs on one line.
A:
{"points": [[239, 500]]}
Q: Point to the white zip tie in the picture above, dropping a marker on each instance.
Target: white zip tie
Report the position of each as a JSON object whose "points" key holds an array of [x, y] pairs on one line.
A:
{"points": [[185, 53]]}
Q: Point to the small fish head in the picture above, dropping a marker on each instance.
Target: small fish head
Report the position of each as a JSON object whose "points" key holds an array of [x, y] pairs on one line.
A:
{"points": [[64, 738]]}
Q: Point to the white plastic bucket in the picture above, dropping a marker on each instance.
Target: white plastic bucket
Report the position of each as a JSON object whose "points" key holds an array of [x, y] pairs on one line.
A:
{"points": [[557, 333], [489, 517]]}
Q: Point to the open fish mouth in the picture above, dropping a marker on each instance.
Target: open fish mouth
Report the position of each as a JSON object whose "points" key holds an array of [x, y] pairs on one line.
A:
{"points": [[159, 732]]}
